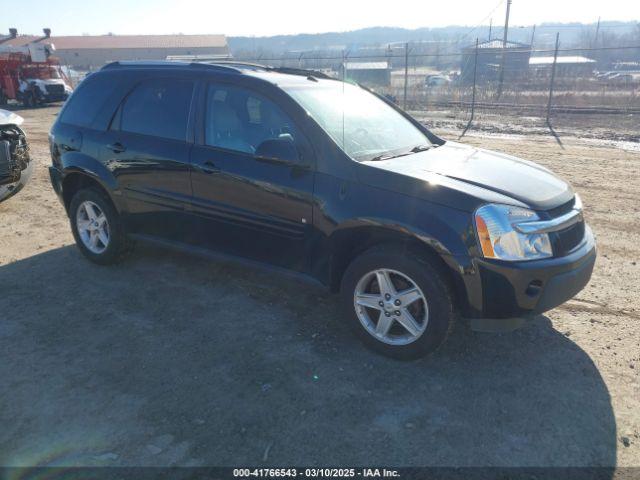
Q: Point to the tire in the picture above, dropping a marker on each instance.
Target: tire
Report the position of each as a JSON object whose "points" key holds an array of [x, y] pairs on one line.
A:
{"points": [[117, 245], [28, 100], [435, 308]]}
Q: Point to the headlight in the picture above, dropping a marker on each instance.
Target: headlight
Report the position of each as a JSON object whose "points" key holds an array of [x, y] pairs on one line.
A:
{"points": [[499, 239], [577, 204]]}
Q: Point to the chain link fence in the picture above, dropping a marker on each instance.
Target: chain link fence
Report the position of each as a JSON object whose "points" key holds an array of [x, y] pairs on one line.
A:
{"points": [[514, 90]]}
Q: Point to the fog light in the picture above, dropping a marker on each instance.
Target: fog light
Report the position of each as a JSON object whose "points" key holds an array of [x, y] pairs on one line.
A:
{"points": [[534, 288]]}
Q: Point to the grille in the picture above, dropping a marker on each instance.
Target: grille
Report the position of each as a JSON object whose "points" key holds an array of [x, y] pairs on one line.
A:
{"points": [[562, 209], [566, 240], [6, 161], [55, 89]]}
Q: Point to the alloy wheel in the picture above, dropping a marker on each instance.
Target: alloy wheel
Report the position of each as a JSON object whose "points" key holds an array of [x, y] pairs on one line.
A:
{"points": [[391, 307], [92, 226]]}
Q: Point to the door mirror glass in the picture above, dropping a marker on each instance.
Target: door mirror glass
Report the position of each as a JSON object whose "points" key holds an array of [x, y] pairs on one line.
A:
{"points": [[279, 150]]}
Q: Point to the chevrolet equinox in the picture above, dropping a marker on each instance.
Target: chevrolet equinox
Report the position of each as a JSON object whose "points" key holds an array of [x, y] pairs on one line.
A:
{"points": [[306, 174]]}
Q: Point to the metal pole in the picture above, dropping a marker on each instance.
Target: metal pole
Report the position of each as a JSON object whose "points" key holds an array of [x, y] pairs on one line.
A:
{"points": [[504, 48], [553, 77], [473, 94], [533, 35], [406, 75]]}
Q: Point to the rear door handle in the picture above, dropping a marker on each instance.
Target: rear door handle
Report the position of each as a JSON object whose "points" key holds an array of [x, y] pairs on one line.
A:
{"points": [[116, 147], [209, 167]]}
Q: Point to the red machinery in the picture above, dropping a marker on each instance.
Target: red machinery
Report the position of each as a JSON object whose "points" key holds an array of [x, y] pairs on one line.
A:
{"points": [[31, 75]]}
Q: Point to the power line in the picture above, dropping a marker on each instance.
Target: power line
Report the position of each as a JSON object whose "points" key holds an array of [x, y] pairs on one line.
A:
{"points": [[555, 27], [482, 21], [425, 55]]}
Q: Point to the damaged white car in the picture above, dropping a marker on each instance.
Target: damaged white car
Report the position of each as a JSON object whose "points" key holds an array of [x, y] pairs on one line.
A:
{"points": [[15, 164]]}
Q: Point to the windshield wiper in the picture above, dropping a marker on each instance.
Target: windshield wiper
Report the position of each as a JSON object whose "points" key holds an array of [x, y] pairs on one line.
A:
{"points": [[420, 148], [386, 156]]}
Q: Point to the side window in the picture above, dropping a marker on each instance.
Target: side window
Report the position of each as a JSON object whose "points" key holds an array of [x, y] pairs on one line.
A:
{"points": [[159, 108], [239, 119], [85, 103]]}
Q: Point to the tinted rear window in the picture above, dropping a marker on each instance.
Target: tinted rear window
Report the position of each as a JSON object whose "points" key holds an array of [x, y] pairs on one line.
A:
{"points": [[85, 103], [159, 108]]}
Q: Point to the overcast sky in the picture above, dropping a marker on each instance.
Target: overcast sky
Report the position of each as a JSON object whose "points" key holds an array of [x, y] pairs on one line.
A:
{"points": [[271, 17]]}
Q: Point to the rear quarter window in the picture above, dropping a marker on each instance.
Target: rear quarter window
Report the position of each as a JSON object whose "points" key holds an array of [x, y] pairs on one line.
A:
{"points": [[159, 108], [87, 101]]}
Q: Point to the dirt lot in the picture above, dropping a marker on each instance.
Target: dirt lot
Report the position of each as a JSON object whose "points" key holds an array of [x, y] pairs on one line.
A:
{"points": [[173, 360]]}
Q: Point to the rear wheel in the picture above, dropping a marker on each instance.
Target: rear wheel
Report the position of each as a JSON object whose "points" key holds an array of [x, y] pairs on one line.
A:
{"points": [[97, 228], [399, 304]]}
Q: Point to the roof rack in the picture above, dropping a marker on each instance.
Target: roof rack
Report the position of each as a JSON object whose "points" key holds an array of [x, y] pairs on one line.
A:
{"points": [[167, 63], [224, 65], [299, 71], [237, 64], [257, 66]]}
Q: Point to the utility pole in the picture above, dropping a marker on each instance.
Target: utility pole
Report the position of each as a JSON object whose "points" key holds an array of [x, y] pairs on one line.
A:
{"points": [[504, 48], [595, 39], [490, 26], [533, 35], [506, 25]]}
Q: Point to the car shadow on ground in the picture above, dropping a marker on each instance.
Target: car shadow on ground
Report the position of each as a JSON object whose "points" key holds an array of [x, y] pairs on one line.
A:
{"points": [[168, 359]]}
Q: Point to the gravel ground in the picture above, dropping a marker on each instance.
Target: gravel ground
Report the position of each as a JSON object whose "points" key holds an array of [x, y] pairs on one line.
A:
{"points": [[168, 359]]}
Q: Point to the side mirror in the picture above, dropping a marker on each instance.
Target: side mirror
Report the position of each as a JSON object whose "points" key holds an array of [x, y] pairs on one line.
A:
{"points": [[280, 150]]}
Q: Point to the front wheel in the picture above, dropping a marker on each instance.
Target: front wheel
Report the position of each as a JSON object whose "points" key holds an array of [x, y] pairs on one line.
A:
{"points": [[97, 228], [29, 100], [399, 304]]}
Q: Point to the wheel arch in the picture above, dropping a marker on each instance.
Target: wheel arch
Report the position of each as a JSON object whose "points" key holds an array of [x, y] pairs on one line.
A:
{"points": [[347, 243], [81, 171]]}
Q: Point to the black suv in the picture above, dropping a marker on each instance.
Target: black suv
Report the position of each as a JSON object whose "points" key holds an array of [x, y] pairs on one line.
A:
{"points": [[307, 174]]}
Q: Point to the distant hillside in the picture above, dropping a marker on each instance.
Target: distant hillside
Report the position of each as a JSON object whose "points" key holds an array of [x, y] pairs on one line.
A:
{"points": [[458, 35]]}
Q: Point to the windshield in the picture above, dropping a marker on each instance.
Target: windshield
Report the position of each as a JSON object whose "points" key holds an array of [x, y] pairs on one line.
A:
{"points": [[364, 126], [44, 72]]}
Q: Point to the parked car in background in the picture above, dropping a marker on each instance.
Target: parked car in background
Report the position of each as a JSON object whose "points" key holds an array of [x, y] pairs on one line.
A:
{"points": [[437, 80], [625, 78], [295, 171], [15, 163]]}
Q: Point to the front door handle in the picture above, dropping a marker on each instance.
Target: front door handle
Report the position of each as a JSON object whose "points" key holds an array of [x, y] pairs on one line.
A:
{"points": [[209, 167], [117, 147]]}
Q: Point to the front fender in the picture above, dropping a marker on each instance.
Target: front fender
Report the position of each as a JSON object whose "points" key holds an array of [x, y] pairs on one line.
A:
{"points": [[386, 228]]}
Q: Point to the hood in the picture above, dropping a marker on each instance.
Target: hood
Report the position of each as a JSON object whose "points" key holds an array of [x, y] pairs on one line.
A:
{"points": [[10, 118], [504, 175], [47, 81]]}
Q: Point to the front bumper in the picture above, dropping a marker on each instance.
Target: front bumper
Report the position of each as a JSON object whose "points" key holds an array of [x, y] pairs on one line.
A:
{"points": [[8, 190], [499, 290], [55, 97], [56, 181]]}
